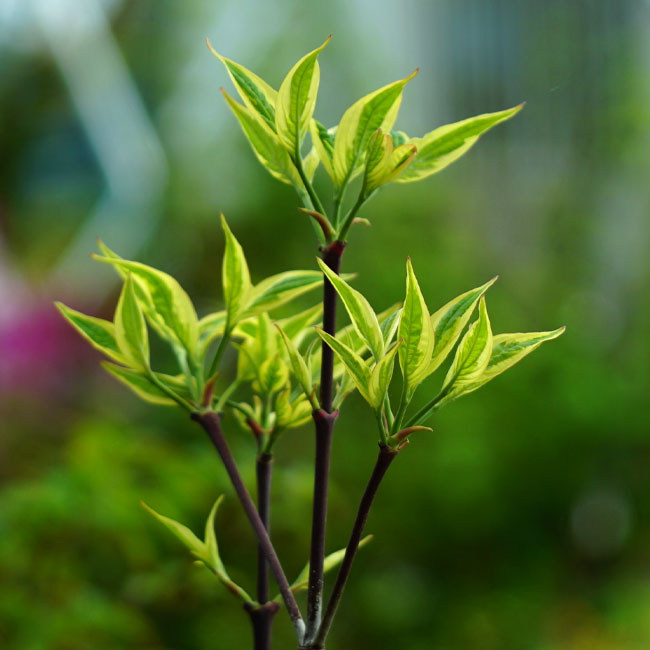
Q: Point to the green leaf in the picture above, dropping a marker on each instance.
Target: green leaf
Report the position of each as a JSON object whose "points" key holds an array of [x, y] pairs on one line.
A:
{"points": [[256, 94], [277, 290], [384, 162], [331, 562], [416, 330], [450, 320], [165, 303], [265, 143], [361, 313], [98, 332], [507, 350], [140, 384], [389, 324], [183, 533], [273, 375], [295, 327], [210, 540], [354, 364], [298, 366], [130, 328], [296, 101], [378, 110], [235, 278], [472, 356], [310, 163], [441, 147], [381, 376], [323, 141]]}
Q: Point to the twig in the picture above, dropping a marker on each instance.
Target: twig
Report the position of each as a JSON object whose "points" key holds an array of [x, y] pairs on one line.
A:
{"points": [[385, 458], [210, 422]]}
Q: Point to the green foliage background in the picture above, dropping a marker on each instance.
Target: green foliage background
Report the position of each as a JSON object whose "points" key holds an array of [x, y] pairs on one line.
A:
{"points": [[523, 520]]}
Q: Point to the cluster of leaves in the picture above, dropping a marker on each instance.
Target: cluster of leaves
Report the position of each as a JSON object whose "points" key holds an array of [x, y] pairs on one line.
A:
{"points": [[206, 553], [279, 361], [152, 299], [423, 343], [362, 144]]}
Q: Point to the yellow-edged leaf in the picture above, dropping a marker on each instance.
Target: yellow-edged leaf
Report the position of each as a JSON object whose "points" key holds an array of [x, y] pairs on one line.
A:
{"points": [[361, 313], [450, 320], [416, 330], [256, 94], [98, 332], [323, 142], [377, 110], [472, 355], [130, 328], [265, 143], [165, 303], [296, 101], [235, 277], [357, 368], [442, 146], [381, 376]]}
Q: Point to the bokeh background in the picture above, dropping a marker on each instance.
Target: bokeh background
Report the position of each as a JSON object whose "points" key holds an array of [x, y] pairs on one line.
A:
{"points": [[523, 521]]}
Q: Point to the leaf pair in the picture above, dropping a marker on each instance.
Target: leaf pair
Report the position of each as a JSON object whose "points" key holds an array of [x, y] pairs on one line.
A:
{"points": [[206, 550], [275, 123], [372, 380]]}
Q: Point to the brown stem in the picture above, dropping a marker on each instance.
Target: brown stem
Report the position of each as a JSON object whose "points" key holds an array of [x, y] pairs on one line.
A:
{"points": [[262, 620], [332, 257], [324, 424], [211, 423], [264, 471], [385, 458]]}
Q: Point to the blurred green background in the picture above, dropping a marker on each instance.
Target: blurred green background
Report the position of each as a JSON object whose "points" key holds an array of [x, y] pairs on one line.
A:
{"points": [[523, 521]]}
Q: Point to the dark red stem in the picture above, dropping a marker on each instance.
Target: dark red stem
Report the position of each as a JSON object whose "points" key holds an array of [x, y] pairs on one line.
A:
{"points": [[264, 471], [211, 423], [262, 621], [385, 458]]}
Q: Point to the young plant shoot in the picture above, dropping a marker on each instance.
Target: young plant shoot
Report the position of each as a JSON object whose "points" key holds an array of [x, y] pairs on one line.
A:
{"points": [[298, 369]]}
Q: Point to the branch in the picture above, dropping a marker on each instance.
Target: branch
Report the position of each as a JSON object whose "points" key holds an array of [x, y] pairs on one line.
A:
{"points": [[210, 421], [385, 458]]}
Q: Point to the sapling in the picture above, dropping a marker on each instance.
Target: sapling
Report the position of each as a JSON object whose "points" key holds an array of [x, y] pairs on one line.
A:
{"points": [[300, 368]]}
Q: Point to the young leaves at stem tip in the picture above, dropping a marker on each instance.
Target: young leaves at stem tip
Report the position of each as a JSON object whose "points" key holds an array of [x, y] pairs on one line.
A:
{"points": [[296, 101], [378, 110], [416, 330], [235, 277]]}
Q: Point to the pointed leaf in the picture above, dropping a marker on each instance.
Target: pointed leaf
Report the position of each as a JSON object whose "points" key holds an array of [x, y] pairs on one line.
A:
{"points": [[323, 141], [273, 375], [235, 277], [183, 533], [258, 96], [390, 324], [210, 540], [140, 384], [330, 562], [163, 300], [354, 364], [296, 101], [361, 313], [130, 328], [378, 110], [298, 366], [381, 376], [416, 330], [472, 355], [282, 288], [295, 327], [384, 162], [450, 320], [444, 145], [98, 332], [266, 146]]}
